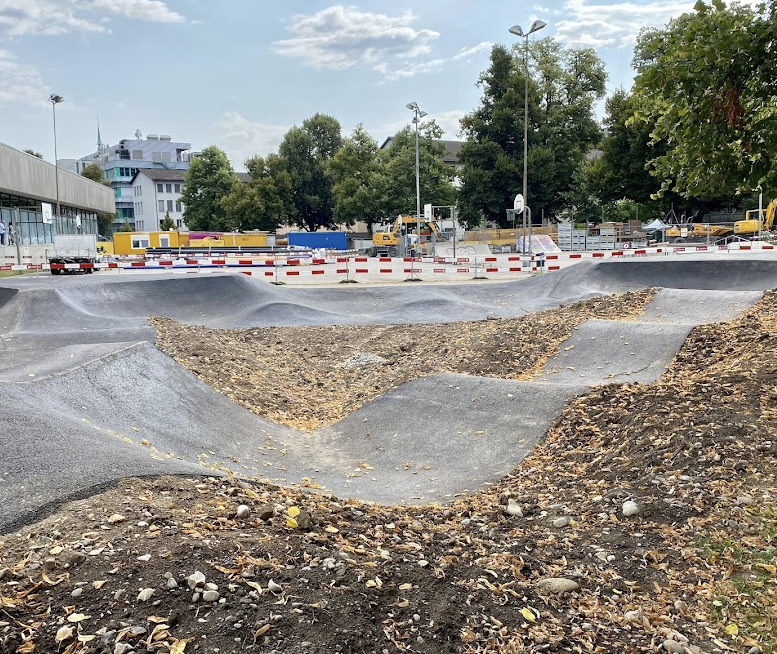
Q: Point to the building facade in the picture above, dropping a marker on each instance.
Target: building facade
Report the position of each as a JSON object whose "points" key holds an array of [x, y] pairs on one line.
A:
{"points": [[29, 189], [120, 163], [156, 193]]}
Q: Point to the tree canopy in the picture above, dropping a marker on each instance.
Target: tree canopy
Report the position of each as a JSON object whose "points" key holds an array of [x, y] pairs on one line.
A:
{"points": [[354, 172], [564, 84], [706, 84], [209, 180], [265, 201], [396, 180], [305, 152]]}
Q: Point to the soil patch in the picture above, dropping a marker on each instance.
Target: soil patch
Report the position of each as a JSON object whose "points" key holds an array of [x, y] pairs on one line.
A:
{"points": [[309, 377], [545, 561]]}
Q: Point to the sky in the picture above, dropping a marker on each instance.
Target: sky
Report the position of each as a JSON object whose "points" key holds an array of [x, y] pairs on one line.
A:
{"points": [[239, 73]]}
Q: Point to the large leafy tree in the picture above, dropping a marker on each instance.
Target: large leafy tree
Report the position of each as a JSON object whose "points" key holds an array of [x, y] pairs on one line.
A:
{"points": [[209, 180], [396, 181], [706, 83], [564, 86], [306, 151], [354, 171], [265, 201], [104, 220]]}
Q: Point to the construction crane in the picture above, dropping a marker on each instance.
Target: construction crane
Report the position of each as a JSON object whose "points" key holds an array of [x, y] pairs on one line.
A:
{"points": [[753, 223]]}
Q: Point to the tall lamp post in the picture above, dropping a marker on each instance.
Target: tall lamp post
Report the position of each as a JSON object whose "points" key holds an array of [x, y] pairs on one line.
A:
{"points": [[413, 106], [516, 29], [55, 100]]}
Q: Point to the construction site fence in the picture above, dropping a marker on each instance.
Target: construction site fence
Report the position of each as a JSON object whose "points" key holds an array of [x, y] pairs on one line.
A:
{"points": [[357, 265]]}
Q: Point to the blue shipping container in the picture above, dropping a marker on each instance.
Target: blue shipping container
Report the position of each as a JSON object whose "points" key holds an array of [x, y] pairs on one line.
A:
{"points": [[328, 240]]}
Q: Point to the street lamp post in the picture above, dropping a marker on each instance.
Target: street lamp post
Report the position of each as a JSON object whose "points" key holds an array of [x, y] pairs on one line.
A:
{"points": [[55, 100], [413, 106], [760, 211], [516, 29]]}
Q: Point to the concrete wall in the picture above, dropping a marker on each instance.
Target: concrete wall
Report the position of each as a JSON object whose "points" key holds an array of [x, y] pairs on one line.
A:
{"points": [[28, 253], [25, 175]]}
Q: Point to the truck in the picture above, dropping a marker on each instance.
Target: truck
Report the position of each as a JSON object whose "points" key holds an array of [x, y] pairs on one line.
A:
{"points": [[73, 248]]}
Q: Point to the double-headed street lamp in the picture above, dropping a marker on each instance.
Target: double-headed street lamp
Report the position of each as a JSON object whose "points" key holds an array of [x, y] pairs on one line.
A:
{"points": [[55, 100], [413, 106], [516, 29]]}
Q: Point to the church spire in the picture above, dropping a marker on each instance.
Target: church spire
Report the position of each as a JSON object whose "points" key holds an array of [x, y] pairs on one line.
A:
{"points": [[99, 139]]}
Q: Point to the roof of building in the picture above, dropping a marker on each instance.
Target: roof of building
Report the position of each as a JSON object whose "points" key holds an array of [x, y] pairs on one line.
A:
{"points": [[452, 149], [244, 177], [162, 174]]}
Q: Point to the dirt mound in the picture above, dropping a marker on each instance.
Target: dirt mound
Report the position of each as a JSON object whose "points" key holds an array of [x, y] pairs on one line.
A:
{"points": [[301, 377], [645, 520]]}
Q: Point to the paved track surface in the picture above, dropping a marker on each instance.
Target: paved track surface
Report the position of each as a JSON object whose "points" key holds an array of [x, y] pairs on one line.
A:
{"points": [[87, 398]]}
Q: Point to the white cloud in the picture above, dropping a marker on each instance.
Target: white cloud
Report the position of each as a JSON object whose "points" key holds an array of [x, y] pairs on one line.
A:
{"points": [[20, 83], [241, 138], [615, 25], [340, 37], [54, 17], [447, 120], [425, 67], [152, 11]]}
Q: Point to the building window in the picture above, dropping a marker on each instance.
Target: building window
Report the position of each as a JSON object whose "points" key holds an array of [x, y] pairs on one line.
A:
{"points": [[140, 242], [169, 205], [160, 188], [117, 192], [179, 222], [178, 207], [161, 206], [164, 241], [169, 188], [177, 188], [165, 156], [137, 155]]}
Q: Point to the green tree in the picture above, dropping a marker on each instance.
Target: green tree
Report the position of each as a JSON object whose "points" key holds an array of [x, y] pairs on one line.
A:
{"points": [[104, 220], [305, 151], [564, 86], [105, 223], [210, 178], [395, 181], [265, 201], [354, 175], [621, 171], [33, 153], [167, 223], [95, 173], [705, 83]]}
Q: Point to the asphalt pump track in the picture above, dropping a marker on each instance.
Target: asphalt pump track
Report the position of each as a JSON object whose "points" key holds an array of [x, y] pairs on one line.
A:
{"points": [[87, 399]]}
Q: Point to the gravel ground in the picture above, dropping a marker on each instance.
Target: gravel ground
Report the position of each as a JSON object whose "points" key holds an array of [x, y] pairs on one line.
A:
{"points": [[309, 377], [643, 523]]}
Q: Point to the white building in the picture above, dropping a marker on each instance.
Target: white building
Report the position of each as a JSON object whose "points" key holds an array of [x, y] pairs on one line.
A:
{"points": [[156, 192], [121, 162]]}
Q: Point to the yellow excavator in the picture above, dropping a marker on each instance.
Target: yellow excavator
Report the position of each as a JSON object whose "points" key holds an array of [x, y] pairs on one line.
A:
{"points": [[749, 226], [387, 243], [697, 230]]}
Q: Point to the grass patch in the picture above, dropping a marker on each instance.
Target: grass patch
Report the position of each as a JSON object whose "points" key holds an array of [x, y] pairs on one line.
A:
{"points": [[745, 601]]}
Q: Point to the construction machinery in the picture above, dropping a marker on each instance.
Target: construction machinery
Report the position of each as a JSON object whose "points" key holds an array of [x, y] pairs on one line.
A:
{"points": [[697, 231], [389, 243], [751, 225]]}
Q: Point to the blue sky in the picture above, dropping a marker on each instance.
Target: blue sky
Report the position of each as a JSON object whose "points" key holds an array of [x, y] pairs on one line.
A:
{"points": [[239, 73]]}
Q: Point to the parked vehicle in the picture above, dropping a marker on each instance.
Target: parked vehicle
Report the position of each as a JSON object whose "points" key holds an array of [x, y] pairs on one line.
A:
{"points": [[73, 249]]}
